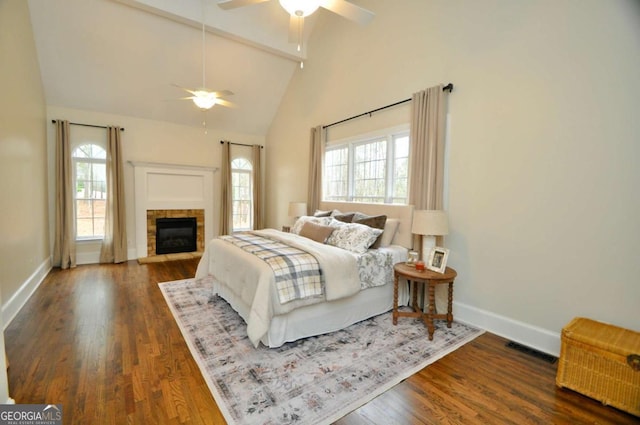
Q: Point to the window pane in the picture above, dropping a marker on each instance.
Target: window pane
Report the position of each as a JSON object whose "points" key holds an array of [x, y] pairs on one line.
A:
{"points": [[84, 209], [98, 152], [241, 215], [241, 164], [99, 183], [84, 227], [89, 151], [400, 170], [82, 152], [370, 172], [336, 174], [90, 218], [98, 226], [99, 210]]}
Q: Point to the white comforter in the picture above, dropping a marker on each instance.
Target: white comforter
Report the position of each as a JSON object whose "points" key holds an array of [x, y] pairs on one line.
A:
{"points": [[253, 281]]}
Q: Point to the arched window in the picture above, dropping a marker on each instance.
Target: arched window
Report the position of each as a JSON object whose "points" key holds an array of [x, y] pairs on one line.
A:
{"points": [[242, 194], [90, 190]]}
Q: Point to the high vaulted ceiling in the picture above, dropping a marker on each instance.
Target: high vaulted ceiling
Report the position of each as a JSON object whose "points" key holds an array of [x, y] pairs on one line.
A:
{"points": [[122, 57]]}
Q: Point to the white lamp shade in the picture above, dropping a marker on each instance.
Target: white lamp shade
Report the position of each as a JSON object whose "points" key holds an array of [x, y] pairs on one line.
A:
{"points": [[297, 209], [430, 222]]}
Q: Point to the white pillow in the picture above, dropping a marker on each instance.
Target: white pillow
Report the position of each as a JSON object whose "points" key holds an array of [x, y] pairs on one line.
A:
{"points": [[353, 237], [390, 229], [323, 221]]}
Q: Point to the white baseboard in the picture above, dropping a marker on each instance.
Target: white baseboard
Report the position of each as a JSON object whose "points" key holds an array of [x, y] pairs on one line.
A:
{"points": [[520, 332], [15, 303]]}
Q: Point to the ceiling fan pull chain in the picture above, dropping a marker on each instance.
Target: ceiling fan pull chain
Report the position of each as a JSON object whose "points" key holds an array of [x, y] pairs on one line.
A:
{"points": [[204, 120]]}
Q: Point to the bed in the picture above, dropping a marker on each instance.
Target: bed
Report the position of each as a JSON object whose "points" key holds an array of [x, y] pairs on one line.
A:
{"points": [[353, 289]]}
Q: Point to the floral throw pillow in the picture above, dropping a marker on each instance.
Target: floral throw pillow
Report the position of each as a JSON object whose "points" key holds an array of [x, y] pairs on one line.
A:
{"points": [[353, 237], [377, 222]]}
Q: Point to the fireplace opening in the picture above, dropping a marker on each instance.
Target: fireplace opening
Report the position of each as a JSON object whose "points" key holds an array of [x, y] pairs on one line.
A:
{"points": [[176, 235]]}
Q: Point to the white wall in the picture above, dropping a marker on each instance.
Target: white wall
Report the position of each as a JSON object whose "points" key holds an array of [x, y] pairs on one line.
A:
{"points": [[543, 196], [149, 141], [24, 251]]}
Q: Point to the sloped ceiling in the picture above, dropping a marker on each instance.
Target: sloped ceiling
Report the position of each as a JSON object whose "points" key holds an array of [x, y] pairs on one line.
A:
{"points": [[122, 57]]}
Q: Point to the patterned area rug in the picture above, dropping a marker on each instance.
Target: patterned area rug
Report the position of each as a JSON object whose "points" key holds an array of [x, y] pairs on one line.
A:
{"points": [[312, 381]]}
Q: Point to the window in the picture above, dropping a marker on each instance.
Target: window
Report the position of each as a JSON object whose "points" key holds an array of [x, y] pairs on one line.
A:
{"points": [[242, 194], [370, 169], [90, 194]]}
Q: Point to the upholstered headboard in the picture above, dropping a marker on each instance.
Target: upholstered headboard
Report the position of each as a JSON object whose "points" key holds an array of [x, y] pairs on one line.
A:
{"points": [[404, 213]]}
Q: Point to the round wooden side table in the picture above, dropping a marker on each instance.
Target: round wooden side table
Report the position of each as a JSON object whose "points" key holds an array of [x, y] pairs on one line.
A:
{"points": [[431, 279]]}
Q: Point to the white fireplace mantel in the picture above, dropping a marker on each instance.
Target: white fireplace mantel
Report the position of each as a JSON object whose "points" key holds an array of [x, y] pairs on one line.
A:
{"points": [[171, 186]]}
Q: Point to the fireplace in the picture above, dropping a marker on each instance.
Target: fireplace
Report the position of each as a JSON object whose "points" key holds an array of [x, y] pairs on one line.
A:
{"points": [[152, 226], [176, 235]]}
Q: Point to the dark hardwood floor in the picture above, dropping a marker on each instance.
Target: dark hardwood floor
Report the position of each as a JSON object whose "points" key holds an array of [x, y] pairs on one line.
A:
{"points": [[101, 341]]}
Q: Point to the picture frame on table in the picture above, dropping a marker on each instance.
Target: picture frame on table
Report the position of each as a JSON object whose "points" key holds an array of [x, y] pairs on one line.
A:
{"points": [[437, 260]]}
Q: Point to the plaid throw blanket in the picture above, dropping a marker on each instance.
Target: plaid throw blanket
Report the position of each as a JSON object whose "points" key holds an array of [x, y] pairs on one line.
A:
{"points": [[297, 273]]}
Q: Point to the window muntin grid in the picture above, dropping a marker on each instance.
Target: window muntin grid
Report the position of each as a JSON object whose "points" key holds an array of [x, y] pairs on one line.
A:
{"points": [[368, 169]]}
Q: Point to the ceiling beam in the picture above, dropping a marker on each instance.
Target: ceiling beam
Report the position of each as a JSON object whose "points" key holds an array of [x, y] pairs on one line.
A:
{"points": [[245, 26]]}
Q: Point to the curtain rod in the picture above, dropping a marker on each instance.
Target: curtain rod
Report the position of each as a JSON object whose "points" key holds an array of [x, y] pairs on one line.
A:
{"points": [[222, 142], [86, 125], [448, 87]]}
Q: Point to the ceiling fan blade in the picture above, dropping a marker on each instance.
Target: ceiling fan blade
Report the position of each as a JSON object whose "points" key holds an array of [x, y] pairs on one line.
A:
{"points": [[349, 11], [183, 88], [174, 99], [222, 93], [232, 4], [180, 87], [226, 103]]}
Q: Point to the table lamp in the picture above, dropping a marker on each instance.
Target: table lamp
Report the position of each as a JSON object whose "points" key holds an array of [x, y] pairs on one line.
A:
{"points": [[429, 224], [297, 209]]}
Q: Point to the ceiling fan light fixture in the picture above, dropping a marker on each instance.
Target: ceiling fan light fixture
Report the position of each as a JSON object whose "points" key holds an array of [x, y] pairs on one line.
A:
{"points": [[204, 99], [300, 8]]}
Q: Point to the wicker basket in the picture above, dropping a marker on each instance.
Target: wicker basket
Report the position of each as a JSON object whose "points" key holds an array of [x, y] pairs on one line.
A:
{"points": [[601, 361]]}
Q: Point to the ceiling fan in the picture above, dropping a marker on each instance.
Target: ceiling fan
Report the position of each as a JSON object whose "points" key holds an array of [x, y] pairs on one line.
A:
{"points": [[202, 97], [205, 99], [299, 9]]}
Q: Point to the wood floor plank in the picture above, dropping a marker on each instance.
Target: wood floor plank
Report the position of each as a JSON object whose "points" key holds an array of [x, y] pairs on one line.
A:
{"points": [[101, 341]]}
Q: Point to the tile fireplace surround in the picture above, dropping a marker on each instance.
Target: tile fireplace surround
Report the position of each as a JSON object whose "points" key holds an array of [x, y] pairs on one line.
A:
{"points": [[171, 190], [152, 215]]}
